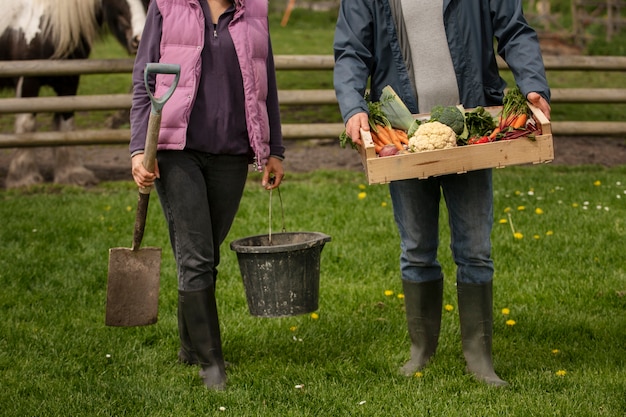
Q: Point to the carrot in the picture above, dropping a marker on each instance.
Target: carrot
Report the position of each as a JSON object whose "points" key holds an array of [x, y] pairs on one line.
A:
{"points": [[506, 121], [492, 135], [378, 148], [394, 138], [383, 135], [376, 139], [401, 134], [519, 121]]}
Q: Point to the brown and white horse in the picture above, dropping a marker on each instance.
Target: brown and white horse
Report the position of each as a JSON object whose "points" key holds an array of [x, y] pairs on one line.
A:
{"points": [[59, 29]]}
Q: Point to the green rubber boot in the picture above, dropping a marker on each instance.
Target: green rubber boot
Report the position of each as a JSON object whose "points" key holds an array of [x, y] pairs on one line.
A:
{"points": [[423, 301], [476, 316]]}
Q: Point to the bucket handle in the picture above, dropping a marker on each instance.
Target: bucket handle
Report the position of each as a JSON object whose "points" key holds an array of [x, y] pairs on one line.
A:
{"points": [[282, 211]]}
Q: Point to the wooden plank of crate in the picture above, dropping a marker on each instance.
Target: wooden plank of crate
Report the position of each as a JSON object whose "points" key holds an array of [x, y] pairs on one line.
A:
{"points": [[460, 160]]}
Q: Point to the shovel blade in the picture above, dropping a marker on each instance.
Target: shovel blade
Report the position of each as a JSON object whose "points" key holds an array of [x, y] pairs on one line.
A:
{"points": [[133, 287]]}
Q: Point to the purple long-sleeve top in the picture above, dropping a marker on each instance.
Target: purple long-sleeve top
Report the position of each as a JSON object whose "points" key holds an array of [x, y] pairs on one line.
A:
{"points": [[217, 122]]}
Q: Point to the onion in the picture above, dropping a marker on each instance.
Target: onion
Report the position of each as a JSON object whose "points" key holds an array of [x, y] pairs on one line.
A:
{"points": [[388, 150]]}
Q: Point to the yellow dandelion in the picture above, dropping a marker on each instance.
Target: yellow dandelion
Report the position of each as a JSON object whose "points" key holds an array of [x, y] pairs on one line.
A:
{"points": [[597, 183], [517, 192], [521, 208], [361, 186], [388, 293], [506, 311], [418, 374], [315, 316], [401, 296], [561, 372], [518, 235], [536, 236], [362, 195], [549, 233], [129, 208], [508, 209], [502, 221], [449, 307], [574, 205], [510, 323], [538, 211], [293, 328], [383, 204], [555, 351]]}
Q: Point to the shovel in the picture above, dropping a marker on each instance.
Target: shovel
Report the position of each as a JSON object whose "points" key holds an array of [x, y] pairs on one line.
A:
{"points": [[133, 279]]}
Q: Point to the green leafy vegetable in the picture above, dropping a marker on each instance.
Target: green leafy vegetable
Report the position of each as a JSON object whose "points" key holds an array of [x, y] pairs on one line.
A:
{"points": [[479, 122]]}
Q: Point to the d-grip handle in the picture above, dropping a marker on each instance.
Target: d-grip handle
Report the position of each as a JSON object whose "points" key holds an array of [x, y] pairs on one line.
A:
{"points": [[154, 121], [160, 68]]}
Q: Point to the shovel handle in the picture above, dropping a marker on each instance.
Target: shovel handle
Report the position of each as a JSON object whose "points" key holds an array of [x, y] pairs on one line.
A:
{"points": [[160, 68], [154, 122], [152, 139]]}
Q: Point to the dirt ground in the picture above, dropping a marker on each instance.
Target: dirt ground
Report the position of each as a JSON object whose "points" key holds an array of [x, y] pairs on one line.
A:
{"points": [[111, 163]]}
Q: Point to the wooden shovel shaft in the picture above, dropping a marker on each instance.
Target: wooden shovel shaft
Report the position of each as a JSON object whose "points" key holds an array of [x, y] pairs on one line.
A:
{"points": [[149, 162], [150, 148], [140, 220]]}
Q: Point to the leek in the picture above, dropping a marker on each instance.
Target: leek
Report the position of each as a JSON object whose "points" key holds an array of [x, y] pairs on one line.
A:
{"points": [[396, 111]]}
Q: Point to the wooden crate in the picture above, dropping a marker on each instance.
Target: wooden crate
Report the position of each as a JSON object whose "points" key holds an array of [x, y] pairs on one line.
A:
{"points": [[380, 170]]}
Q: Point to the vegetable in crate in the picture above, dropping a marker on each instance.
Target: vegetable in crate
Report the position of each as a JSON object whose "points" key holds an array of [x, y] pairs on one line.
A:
{"points": [[396, 111], [432, 136], [380, 128], [450, 116], [515, 114], [480, 123]]}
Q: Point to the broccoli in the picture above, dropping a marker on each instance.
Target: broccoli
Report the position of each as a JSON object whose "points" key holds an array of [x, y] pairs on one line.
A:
{"points": [[450, 116]]}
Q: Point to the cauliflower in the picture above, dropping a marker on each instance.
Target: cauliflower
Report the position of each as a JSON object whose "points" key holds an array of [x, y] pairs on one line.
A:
{"points": [[432, 135]]}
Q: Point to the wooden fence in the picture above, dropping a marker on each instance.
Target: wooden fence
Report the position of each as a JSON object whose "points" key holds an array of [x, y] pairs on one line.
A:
{"points": [[286, 97]]}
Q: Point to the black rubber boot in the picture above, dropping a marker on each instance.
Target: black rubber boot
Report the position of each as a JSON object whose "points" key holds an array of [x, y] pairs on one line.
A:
{"points": [[476, 316], [186, 354], [199, 311], [423, 302]]}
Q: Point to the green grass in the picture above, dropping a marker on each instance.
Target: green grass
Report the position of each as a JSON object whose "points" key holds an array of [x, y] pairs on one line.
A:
{"points": [[564, 283]]}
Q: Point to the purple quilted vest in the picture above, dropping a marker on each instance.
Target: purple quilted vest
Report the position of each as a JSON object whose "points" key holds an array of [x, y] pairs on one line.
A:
{"points": [[181, 43]]}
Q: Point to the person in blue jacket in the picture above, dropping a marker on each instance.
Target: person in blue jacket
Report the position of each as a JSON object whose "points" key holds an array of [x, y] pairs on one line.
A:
{"points": [[439, 52]]}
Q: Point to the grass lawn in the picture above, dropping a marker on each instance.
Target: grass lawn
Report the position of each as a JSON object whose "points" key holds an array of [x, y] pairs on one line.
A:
{"points": [[559, 292], [561, 283]]}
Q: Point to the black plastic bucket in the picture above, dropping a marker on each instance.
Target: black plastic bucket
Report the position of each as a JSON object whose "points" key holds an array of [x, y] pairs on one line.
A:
{"points": [[281, 278]]}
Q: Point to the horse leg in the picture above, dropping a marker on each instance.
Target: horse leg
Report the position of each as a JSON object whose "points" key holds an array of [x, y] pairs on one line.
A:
{"points": [[23, 169], [68, 168]]}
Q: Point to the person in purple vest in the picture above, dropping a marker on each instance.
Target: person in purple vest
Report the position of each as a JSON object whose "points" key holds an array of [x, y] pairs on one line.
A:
{"points": [[222, 117], [439, 53]]}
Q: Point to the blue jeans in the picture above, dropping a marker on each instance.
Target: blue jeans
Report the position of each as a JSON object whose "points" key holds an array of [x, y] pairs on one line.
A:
{"points": [[200, 195], [469, 200]]}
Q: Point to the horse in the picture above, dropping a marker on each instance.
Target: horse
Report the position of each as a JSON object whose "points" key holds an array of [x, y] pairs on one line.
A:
{"points": [[59, 29]]}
